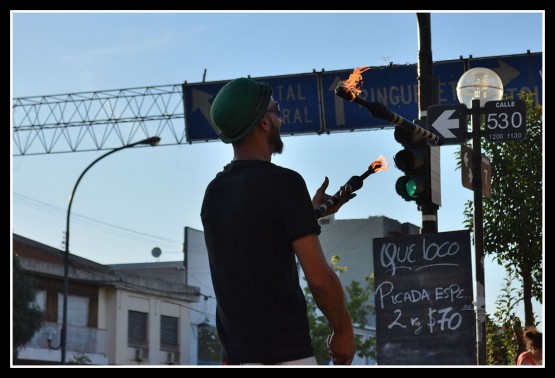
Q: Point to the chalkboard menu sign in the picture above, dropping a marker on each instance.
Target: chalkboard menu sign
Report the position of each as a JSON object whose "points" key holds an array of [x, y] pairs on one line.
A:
{"points": [[424, 310]]}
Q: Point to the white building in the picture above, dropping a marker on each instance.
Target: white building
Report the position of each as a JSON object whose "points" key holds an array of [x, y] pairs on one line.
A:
{"points": [[114, 317]]}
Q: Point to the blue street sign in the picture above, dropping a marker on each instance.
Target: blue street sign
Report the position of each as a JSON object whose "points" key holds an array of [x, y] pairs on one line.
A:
{"points": [[197, 99], [308, 109], [517, 72], [448, 73], [297, 96], [393, 86]]}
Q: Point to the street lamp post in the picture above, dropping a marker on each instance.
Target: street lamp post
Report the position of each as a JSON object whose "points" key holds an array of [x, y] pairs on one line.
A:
{"points": [[63, 337], [474, 89]]}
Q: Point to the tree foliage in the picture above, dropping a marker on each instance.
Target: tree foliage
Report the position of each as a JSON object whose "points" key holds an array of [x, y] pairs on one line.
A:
{"points": [[209, 347], [80, 359], [359, 306], [503, 329], [27, 316], [513, 216], [357, 298]]}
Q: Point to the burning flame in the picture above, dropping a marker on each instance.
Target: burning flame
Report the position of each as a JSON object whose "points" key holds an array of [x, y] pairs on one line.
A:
{"points": [[380, 164], [354, 80]]}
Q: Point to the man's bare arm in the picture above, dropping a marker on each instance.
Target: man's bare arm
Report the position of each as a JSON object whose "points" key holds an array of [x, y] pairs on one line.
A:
{"points": [[328, 294]]}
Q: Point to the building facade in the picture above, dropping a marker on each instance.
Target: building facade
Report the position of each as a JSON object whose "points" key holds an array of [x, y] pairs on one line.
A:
{"points": [[114, 317]]}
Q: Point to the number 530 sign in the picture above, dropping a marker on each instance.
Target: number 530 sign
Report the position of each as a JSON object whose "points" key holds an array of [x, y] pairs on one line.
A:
{"points": [[505, 121]]}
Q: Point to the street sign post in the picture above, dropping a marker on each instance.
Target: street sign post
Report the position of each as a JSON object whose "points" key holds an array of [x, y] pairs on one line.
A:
{"points": [[515, 117], [505, 120]]}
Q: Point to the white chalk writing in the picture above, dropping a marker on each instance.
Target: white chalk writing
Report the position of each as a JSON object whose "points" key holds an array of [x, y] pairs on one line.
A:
{"points": [[394, 257]]}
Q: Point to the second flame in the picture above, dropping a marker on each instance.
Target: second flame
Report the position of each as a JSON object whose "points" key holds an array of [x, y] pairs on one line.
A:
{"points": [[380, 164]]}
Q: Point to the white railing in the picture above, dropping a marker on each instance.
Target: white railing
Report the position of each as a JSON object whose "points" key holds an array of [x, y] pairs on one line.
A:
{"points": [[80, 340]]}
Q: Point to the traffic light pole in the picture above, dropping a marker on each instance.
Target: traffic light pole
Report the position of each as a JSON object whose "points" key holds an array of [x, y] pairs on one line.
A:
{"points": [[419, 159], [478, 232], [425, 100]]}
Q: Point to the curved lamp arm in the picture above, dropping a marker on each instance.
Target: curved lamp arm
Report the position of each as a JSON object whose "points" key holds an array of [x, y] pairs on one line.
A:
{"points": [[153, 141]]}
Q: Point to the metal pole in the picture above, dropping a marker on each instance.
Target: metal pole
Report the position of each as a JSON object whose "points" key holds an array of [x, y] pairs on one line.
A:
{"points": [[186, 255], [63, 341], [425, 100], [63, 336], [478, 233]]}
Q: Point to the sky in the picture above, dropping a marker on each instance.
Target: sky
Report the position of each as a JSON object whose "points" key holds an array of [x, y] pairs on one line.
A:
{"points": [[143, 198]]}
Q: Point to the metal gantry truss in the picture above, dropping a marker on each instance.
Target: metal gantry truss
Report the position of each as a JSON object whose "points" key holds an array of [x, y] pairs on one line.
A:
{"points": [[100, 120]]}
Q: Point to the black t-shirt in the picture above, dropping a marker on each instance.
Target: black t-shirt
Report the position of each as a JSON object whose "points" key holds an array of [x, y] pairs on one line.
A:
{"points": [[252, 212]]}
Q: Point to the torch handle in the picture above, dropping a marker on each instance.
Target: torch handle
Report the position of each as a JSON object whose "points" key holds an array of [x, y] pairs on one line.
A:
{"points": [[354, 184], [379, 110]]}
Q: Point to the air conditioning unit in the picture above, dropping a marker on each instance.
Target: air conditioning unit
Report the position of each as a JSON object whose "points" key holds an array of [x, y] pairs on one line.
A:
{"points": [[139, 354], [170, 358]]}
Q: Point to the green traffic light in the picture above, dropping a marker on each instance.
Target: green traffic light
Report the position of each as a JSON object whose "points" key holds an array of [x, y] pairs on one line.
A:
{"points": [[415, 161], [411, 187]]}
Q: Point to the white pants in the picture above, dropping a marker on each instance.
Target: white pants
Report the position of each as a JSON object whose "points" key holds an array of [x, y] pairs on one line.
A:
{"points": [[303, 361]]}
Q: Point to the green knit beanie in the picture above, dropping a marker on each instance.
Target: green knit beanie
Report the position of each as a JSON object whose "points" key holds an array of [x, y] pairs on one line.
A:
{"points": [[238, 107]]}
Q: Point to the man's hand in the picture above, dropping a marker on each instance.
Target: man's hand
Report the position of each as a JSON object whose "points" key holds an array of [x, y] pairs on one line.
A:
{"points": [[321, 197], [341, 348]]}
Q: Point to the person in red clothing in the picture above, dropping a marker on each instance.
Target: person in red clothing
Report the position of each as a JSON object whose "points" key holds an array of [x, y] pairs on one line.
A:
{"points": [[533, 354]]}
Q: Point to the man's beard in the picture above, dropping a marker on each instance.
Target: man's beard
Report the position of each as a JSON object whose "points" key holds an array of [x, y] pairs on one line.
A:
{"points": [[275, 139]]}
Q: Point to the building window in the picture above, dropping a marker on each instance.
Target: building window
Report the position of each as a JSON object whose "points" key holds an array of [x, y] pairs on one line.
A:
{"points": [[169, 331], [40, 299], [77, 310], [137, 328]]}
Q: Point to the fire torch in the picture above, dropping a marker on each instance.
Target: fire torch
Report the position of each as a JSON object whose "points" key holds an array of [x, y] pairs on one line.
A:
{"points": [[348, 90], [354, 184]]}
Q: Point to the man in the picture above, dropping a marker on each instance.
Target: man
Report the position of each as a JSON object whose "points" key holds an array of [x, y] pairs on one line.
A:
{"points": [[257, 217]]}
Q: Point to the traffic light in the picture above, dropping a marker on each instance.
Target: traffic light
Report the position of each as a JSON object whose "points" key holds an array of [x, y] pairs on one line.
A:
{"points": [[414, 161]]}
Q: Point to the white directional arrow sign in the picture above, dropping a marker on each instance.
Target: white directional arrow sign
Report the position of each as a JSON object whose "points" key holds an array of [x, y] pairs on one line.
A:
{"points": [[338, 103], [448, 121], [201, 101], [467, 175], [444, 124], [467, 160]]}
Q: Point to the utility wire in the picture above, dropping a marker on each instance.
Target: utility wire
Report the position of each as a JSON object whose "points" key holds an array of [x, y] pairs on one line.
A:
{"points": [[95, 223]]}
